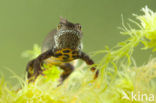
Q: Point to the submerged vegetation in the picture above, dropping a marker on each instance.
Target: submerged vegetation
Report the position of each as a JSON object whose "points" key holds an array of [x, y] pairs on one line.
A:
{"points": [[119, 79]]}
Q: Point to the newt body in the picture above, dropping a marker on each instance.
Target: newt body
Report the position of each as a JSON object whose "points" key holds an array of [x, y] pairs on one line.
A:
{"points": [[61, 46]]}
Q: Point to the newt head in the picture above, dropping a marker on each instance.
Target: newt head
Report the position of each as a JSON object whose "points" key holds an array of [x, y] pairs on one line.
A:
{"points": [[68, 35]]}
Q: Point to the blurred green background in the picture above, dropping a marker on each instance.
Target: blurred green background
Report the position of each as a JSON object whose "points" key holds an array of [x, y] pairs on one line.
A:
{"points": [[26, 22]]}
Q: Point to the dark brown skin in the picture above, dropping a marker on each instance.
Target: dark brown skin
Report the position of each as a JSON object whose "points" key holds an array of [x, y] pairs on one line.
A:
{"points": [[60, 47]]}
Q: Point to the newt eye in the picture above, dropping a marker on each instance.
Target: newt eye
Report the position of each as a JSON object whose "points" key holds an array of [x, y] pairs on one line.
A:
{"points": [[79, 27], [59, 26]]}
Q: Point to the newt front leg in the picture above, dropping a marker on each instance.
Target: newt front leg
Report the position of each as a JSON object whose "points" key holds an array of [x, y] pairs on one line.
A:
{"points": [[34, 66], [88, 61]]}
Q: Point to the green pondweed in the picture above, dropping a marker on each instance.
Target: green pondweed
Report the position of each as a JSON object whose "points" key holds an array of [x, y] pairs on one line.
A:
{"points": [[120, 80]]}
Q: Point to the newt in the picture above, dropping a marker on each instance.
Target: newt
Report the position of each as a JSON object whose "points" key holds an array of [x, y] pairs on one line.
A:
{"points": [[60, 47]]}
